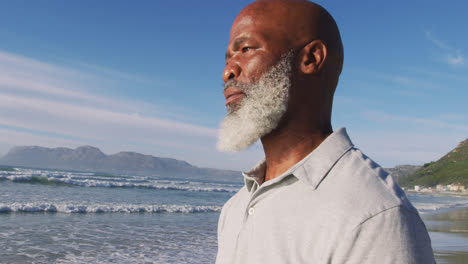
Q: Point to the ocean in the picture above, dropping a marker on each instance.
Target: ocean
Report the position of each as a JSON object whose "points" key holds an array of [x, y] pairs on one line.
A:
{"points": [[50, 216]]}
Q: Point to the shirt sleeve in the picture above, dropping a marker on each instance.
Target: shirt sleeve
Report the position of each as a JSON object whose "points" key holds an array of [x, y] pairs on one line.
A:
{"points": [[396, 235]]}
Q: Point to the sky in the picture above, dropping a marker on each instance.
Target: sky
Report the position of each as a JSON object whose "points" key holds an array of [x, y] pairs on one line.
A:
{"points": [[145, 76]]}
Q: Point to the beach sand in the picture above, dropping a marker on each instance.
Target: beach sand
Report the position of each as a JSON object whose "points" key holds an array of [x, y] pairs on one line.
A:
{"points": [[448, 230]]}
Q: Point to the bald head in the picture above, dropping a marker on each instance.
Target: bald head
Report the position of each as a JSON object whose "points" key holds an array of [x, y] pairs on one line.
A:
{"points": [[299, 22]]}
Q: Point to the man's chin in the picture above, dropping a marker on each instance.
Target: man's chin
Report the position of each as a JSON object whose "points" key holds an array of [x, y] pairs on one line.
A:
{"points": [[233, 107], [236, 134]]}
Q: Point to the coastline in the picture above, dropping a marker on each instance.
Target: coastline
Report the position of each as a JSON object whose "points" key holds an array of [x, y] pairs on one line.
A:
{"points": [[434, 192], [448, 229]]}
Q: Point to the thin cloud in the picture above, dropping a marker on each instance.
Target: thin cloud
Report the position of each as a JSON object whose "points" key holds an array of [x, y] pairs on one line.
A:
{"points": [[9, 80], [455, 60], [18, 61], [103, 71], [423, 122], [50, 105], [454, 56], [437, 42], [20, 74], [76, 120]]}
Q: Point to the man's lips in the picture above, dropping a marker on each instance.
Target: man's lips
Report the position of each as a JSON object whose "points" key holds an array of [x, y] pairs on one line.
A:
{"points": [[233, 94]]}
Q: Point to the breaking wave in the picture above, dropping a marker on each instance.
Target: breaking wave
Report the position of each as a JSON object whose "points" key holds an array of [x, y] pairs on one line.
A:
{"points": [[106, 181], [103, 208]]}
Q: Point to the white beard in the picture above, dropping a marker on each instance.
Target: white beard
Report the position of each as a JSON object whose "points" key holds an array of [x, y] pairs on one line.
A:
{"points": [[259, 111]]}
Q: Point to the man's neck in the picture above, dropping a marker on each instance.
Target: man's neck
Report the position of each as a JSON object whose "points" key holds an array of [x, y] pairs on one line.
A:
{"points": [[284, 149]]}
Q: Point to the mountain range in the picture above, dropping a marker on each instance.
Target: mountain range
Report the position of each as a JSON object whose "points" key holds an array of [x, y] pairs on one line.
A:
{"points": [[451, 168], [401, 172], [88, 158]]}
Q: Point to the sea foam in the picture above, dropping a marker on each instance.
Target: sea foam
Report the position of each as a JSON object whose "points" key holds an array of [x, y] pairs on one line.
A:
{"points": [[104, 208], [96, 180]]}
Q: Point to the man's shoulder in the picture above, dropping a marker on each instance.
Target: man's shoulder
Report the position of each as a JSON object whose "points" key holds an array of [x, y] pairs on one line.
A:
{"points": [[232, 209], [237, 199], [362, 188]]}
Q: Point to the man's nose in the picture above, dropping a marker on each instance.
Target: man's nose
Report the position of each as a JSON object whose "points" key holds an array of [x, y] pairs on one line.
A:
{"points": [[231, 71]]}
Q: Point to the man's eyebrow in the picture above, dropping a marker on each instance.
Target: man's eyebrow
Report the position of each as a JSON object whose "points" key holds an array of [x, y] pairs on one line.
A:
{"points": [[236, 44]]}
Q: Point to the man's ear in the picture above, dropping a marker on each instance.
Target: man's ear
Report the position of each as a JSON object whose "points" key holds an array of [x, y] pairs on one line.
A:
{"points": [[313, 58]]}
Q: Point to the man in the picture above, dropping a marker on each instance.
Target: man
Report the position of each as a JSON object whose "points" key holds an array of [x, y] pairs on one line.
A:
{"points": [[314, 198]]}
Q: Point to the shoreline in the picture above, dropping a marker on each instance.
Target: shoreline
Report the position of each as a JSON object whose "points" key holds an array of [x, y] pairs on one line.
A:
{"points": [[448, 229], [434, 192]]}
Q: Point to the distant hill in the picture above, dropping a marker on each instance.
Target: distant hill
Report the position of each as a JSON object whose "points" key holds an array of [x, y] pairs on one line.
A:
{"points": [[451, 168], [88, 158], [401, 172]]}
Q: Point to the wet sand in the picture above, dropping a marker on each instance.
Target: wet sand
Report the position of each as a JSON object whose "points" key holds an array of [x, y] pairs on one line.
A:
{"points": [[448, 230]]}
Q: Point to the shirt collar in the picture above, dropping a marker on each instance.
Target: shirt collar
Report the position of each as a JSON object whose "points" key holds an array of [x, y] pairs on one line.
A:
{"points": [[314, 167]]}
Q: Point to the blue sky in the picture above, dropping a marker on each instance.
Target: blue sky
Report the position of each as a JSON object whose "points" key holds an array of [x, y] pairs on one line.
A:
{"points": [[146, 76]]}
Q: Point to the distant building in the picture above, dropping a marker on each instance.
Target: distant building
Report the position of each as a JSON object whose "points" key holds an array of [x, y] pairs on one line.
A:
{"points": [[456, 187], [417, 188]]}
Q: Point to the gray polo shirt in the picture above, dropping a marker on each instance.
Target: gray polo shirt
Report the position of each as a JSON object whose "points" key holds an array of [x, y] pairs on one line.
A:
{"points": [[334, 206]]}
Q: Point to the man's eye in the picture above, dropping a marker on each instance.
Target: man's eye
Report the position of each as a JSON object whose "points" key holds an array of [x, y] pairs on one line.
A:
{"points": [[245, 49]]}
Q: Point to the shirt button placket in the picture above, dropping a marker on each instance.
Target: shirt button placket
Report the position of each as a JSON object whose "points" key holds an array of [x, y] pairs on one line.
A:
{"points": [[251, 211]]}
